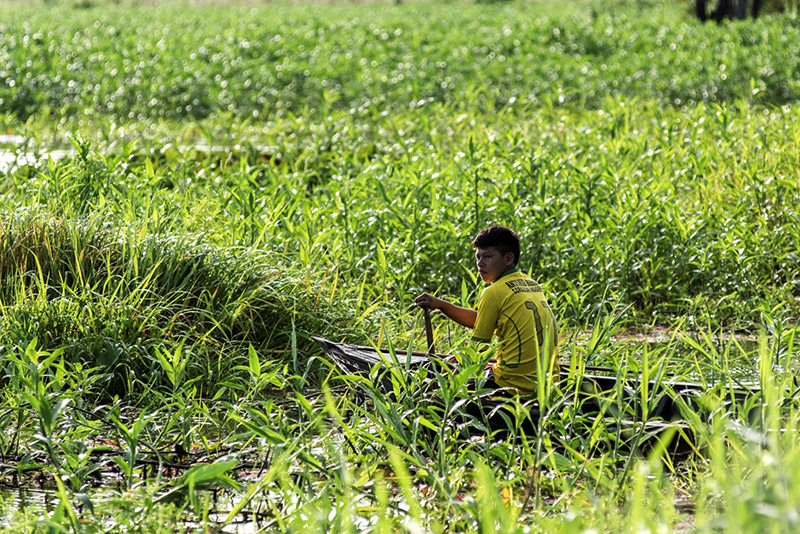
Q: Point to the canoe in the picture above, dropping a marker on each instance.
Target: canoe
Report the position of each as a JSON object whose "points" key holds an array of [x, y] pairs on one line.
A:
{"points": [[593, 386]]}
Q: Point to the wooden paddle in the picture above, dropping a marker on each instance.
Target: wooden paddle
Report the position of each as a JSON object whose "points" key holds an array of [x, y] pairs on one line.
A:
{"points": [[429, 330]]}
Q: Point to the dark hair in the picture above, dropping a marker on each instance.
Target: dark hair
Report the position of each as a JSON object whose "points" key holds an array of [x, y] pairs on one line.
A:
{"points": [[500, 237]]}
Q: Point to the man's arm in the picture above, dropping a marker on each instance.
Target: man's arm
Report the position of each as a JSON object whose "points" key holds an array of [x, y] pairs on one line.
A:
{"points": [[463, 316]]}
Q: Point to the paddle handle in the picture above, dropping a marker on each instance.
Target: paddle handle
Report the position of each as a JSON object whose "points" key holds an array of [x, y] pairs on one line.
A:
{"points": [[429, 330]]}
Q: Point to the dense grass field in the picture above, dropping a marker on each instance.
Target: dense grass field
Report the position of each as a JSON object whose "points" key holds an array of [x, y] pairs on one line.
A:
{"points": [[190, 192]]}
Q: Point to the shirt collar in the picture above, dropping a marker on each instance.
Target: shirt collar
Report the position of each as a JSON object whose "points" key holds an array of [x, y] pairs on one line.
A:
{"points": [[510, 271]]}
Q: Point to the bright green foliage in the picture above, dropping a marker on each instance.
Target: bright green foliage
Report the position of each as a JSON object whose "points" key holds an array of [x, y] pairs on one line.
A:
{"points": [[148, 310], [196, 191], [631, 205], [268, 61]]}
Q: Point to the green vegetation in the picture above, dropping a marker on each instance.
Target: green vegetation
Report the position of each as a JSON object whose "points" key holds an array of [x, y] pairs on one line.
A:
{"points": [[190, 193], [260, 63]]}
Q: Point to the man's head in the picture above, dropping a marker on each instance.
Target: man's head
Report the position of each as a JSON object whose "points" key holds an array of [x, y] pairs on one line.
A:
{"points": [[496, 251], [500, 237]]}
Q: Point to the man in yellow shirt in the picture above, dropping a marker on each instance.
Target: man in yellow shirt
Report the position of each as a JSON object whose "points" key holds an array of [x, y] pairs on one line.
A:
{"points": [[513, 308]]}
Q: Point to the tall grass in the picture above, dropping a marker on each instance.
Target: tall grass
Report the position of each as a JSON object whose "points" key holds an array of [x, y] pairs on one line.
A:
{"points": [[680, 214], [338, 462], [117, 299]]}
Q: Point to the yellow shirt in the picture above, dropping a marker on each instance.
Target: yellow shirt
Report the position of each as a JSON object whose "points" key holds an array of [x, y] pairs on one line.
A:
{"points": [[514, 309]]}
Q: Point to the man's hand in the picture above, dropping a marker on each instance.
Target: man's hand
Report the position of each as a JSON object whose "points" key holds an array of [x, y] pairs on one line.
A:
{"points": [[463, 316], [426, 300]]}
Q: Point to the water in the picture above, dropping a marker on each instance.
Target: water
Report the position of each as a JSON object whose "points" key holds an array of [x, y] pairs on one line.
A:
{"points": [[28, 503], [25, 501], [10, 159]]}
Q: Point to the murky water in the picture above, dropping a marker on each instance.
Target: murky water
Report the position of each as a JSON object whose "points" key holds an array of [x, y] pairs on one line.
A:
{"points": [[20, 502], [26, 502]]}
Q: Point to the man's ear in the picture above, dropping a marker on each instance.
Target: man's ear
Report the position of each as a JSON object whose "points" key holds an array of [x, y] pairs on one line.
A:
{"points": [[509, 258]]}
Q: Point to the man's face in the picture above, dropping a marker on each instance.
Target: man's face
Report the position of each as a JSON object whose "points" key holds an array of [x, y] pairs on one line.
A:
{"points": [[492, 264]]}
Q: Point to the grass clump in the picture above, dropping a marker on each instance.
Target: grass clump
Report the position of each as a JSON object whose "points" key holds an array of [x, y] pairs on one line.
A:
{"points": [[112, 299]]}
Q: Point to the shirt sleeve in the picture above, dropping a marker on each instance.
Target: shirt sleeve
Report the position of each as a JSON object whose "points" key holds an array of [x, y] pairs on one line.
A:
{"points": [[486, 321]]}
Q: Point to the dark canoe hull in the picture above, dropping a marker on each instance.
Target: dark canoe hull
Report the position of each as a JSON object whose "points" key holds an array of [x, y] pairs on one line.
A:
{"points": [[360, 360], [598, 390]]}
